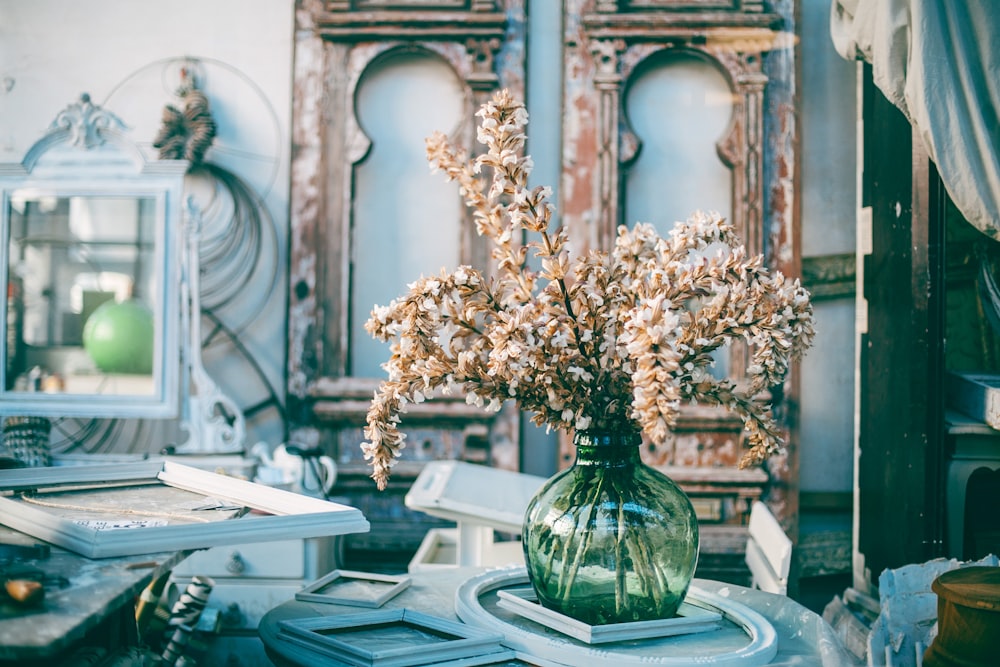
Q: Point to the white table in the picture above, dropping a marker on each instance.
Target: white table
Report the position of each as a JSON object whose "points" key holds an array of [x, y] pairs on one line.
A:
{"points": [[804, 639]]}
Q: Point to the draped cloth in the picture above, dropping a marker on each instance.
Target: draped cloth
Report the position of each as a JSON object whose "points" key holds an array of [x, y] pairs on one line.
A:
{"points": [[938, 61]]}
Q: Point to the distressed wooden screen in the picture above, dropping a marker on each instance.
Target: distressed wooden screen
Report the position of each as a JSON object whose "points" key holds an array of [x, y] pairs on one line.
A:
{"points": [[617, 60]]}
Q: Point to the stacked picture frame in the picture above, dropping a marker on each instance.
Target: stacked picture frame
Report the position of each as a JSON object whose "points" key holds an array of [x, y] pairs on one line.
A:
{"points": [[395, 638], [153, 506]]}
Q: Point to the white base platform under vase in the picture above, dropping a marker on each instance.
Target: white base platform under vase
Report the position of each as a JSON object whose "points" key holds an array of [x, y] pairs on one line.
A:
{"points": [[744, 638]]}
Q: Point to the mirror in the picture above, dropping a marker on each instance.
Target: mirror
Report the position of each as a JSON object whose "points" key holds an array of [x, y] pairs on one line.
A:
{"points": [[89, 257]]}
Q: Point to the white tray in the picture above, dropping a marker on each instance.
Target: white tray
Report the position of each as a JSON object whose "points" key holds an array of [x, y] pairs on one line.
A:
{"points": [[689, 619]]}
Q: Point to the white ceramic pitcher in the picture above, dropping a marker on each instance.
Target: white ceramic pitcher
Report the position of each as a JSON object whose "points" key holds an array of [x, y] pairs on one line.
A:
{"points": [[287, 468]]}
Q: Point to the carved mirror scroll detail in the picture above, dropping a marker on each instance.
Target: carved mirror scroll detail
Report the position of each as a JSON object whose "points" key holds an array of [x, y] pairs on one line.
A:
{"points": [[89, 257]]}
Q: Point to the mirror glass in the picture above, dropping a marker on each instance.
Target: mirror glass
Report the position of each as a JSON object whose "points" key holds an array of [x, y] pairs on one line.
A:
{"points": [[81, 293]]}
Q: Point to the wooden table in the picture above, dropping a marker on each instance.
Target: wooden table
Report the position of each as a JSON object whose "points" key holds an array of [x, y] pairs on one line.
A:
{"points": [[803, 637], [96, 607]]}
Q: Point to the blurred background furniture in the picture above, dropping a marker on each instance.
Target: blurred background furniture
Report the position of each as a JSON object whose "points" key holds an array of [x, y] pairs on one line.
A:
{"points": [[86, 601], [769, 551], [907, 622], [968, 618]]}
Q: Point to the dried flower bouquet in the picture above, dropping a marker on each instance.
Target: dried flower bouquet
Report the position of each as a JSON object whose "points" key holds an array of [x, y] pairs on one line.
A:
{"points": [[604, 340]]}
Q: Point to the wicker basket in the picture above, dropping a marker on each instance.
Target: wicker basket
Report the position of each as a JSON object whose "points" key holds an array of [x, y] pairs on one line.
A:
{"points": [[26, 440]]}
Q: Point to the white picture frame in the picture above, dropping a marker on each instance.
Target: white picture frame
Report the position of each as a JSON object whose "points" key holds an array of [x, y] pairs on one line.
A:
{"points": [[170, 507], [395, 638], [473, 494], [355, 589]]}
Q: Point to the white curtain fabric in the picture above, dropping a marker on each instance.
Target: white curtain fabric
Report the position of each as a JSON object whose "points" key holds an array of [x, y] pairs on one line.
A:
{"points": [[939, 62]]}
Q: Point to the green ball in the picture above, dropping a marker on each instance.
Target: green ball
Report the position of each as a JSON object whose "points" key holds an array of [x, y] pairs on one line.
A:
{"points": [[119, 337]]}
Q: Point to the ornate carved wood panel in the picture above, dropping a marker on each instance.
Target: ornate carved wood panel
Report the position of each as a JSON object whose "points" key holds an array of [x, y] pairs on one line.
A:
{"points": [[606, 43], [337, 43]]}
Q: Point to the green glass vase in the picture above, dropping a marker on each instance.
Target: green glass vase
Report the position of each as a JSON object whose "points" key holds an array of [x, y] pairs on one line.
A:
{"points": [[610, 539]]}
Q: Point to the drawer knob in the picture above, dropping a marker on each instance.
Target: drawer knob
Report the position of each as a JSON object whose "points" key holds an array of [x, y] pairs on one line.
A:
{"points": [[236, 564]]}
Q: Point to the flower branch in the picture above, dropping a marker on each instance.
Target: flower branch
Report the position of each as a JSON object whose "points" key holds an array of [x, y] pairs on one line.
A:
{"points": [[609, 339]]}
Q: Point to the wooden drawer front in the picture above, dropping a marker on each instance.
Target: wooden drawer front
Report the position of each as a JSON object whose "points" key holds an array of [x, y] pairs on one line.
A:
{"points": [[284, 559]]}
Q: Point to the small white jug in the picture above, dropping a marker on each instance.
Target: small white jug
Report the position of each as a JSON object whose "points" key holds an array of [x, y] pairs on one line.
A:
{"points": [[297, 470]]}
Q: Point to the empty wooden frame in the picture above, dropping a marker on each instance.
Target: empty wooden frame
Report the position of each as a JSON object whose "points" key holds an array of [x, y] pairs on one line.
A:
{"points": [[395, 638], [152, 506], [356, 589]]}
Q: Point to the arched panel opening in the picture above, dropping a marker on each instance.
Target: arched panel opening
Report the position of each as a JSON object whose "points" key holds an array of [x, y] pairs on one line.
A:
{"points": [[679, 106], [405, 221]]}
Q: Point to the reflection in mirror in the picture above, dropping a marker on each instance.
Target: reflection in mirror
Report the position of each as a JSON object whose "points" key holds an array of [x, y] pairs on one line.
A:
{"points": [[81, 294]]}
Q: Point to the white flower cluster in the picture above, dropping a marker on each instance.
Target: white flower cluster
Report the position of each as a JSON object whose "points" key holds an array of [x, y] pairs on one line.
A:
{"points": [[607, 340]]}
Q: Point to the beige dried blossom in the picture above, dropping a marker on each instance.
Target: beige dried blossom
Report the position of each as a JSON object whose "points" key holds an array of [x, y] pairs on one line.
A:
{"points": [[606, 340]]}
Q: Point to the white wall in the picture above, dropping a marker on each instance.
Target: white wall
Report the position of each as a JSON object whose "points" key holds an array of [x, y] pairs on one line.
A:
{"points": [[126, 55], [828, 119]]}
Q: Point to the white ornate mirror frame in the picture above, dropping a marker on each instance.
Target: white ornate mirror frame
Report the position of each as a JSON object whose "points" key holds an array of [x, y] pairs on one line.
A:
{"points": [[88, 226]]}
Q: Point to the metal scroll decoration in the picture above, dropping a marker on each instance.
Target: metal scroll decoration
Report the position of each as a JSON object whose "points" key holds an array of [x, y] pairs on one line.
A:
{"points": [[213, 421], [235, 221], [186, 134], [235, 266]]}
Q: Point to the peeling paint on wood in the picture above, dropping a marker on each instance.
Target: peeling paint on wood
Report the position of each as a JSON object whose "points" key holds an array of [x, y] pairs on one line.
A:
{"points": [[604, 43], [603, 51]]}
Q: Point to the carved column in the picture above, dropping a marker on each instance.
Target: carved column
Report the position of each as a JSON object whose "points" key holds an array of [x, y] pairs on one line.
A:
{"points": [[742, 148], [607, 81], [483, 79], [752, 85]]}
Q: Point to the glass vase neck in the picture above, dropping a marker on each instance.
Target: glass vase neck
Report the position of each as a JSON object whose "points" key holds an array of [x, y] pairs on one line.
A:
{"points": [[607, 447]]}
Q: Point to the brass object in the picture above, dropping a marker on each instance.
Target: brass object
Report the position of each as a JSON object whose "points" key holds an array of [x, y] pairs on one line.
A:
{"points": [[25, 591]]}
